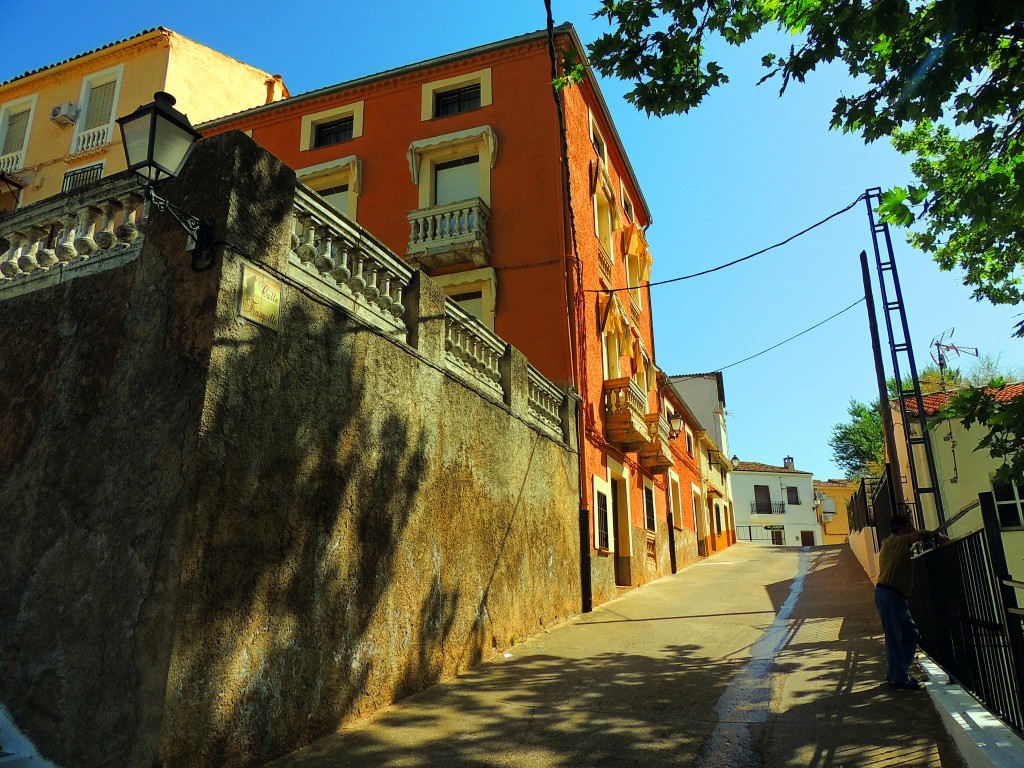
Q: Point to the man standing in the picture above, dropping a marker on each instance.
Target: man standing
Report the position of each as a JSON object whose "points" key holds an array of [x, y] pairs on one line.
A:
{"points": [[895, 581]]}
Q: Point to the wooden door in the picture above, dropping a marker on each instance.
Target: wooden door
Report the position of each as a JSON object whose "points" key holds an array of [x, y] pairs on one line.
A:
{"points": [[807, 538]]}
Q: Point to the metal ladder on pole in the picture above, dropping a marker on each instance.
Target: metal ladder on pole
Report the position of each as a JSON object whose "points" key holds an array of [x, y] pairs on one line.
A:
{"points": [[903, 359]]}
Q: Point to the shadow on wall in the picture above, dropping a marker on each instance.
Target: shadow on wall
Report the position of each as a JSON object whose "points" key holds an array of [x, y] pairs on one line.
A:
{"points": [[303, 505]]}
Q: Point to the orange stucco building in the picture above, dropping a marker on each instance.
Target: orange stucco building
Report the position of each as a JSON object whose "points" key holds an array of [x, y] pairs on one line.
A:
{"points": [[57, 129], [457, 164]]}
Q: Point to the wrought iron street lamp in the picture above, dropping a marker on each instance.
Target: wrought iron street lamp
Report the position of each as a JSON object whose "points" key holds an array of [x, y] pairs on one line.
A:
{"points": [[675, 425], [157, 140]]}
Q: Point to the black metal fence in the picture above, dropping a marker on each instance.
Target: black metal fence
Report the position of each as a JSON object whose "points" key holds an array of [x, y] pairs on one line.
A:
{"points": [[752, 533], [966, 608], [767, 507]]}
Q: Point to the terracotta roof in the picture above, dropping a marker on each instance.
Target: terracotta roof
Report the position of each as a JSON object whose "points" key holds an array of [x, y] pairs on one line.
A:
{"points": [[756, 466], [936, 400], [833, 483], [86, 53]]}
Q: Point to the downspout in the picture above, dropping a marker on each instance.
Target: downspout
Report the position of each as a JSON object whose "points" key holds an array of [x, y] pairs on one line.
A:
{"points": [[575, 362]]}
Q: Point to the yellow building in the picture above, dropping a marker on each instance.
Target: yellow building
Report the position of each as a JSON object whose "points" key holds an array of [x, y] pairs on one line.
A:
{"points": [[57, 129], [831, 498]]}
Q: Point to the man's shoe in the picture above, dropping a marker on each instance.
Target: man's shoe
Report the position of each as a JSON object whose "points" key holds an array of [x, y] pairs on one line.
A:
{"points": [[912, 684]]}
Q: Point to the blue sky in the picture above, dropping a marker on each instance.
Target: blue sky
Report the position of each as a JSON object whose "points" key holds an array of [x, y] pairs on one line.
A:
{"points": [[743, 171]]}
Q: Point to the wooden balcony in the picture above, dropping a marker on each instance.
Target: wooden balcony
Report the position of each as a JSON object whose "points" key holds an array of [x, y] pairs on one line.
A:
{"points": [[454, 233], [625, 409], [656, 454]]}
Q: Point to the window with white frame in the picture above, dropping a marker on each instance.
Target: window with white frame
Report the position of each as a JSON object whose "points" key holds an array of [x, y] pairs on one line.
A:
{"points": [[331, 126], [454, 166], [337, 181], [1009, 504], [650, 518], [627, 203], [455, 95], [604, 222], [15, 123], [689, 441], [97, 108]]}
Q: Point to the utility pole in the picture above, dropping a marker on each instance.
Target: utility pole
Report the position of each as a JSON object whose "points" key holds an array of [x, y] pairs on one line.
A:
{"points": [[888, 430]]}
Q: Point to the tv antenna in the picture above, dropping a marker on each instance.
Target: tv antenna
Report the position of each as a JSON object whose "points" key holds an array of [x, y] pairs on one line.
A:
{"points": [[943, 348]]}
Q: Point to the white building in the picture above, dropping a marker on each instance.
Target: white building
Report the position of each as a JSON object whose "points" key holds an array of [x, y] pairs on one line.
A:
{"points": [[774, 504]]}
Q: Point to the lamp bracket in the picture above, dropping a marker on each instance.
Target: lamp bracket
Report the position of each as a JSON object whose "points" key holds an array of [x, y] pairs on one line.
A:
{"points": [[200, 233]]}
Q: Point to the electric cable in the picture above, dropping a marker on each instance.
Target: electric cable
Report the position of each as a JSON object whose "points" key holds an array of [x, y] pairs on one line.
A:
{"points": [[807, 330], [789, 239]]}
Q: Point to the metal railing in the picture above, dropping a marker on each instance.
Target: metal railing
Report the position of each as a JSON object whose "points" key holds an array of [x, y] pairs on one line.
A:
{"points": [[767, 507], [966, 608], [752, 533]]}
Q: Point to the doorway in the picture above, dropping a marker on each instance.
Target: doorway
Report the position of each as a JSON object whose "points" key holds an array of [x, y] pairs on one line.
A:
{"points": [[777, 537], [806, 538]]}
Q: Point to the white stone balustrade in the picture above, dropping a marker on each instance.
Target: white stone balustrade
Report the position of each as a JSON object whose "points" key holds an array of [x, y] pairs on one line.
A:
{"points": [[453, 233], [351, 260], [545, 401], [472, 350], [11, 162], [70, 229], [92, 139]]}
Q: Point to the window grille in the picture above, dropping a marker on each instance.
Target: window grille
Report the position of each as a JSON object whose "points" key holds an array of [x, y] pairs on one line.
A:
{"points": [[17, 127], [101, 105], [602, 521], [334, 132], [649, 508], [458, 100], [81, 176]]}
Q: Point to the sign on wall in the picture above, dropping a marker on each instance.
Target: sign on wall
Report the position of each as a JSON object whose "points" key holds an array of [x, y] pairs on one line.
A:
{"points": [[260, 299]]}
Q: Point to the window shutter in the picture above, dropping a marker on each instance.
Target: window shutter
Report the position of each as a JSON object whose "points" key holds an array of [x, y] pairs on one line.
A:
{"points": [[101, 105], [456, 181], [17, 127]]}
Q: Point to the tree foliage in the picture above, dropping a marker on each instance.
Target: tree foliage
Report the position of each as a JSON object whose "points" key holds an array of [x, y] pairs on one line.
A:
{"points": [[858, 445], [942, 78]]}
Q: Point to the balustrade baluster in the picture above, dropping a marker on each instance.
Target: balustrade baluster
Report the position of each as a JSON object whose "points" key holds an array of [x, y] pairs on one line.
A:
{"points": [[384, 300], [105, 238], [45, 256], [397, 308], [372, 291], [9, 266], [126, 232], [324, 262], [343, 271], [66, 244], [357, 282], [306, 250], [84, 242]]}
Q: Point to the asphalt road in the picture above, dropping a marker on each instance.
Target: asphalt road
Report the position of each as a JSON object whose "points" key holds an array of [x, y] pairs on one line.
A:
{"points": [[759, 656]]}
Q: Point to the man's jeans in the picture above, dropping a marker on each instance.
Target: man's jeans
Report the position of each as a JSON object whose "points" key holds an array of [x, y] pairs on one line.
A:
{"points": [[901, 633]]}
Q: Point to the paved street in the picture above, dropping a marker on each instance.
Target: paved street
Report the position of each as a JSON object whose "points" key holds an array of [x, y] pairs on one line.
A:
{"points": [[759, 656]]}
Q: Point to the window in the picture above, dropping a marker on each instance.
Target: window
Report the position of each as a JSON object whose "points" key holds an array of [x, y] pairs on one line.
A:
{"points": [[453, 166], [15, 132], [455, 95], [79, 177], [337, 181], [689, 442], [97, 109], [649, 519], [331, 126], [1009, 505], [15, 125], [457, 100], [792, 495], [475, 290], [333, 132], [602, 521], [598, 140], [718, 518], [457, 180], [627, 204]]}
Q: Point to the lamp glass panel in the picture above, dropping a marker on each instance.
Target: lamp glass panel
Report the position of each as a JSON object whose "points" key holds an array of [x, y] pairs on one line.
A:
{"points": [[136, 141], [171, 146]]}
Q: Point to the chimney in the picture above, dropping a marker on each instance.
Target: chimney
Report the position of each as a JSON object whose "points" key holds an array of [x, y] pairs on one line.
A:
{"points": [[788, 462]]}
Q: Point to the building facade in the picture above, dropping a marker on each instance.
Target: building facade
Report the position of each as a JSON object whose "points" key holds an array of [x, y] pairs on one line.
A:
{"points": [[776, 500], [831, 498], [57, 130], [440, 162]]}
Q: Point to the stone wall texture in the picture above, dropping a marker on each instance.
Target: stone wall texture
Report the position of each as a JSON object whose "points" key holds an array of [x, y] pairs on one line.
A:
{"points": [[226, 541]]}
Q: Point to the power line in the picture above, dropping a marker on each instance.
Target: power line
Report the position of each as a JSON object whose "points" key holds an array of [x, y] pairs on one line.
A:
{"points": [[808, 330], [736, 261]]}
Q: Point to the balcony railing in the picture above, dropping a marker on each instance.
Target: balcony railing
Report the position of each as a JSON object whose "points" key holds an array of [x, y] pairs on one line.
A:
{"points": [[604, 260], [455, 233], [101, 224], [767, 507], [656, 456], [92, 139], [545, 402], [11, 162], [625, 409]]}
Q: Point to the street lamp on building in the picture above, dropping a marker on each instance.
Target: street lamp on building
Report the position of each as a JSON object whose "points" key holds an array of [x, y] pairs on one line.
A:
{"points": [[157, 140]]}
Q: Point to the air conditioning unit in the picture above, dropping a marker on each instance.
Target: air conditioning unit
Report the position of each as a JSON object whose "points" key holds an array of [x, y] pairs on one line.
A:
{"points": [[64, 114], [827, 517]]}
